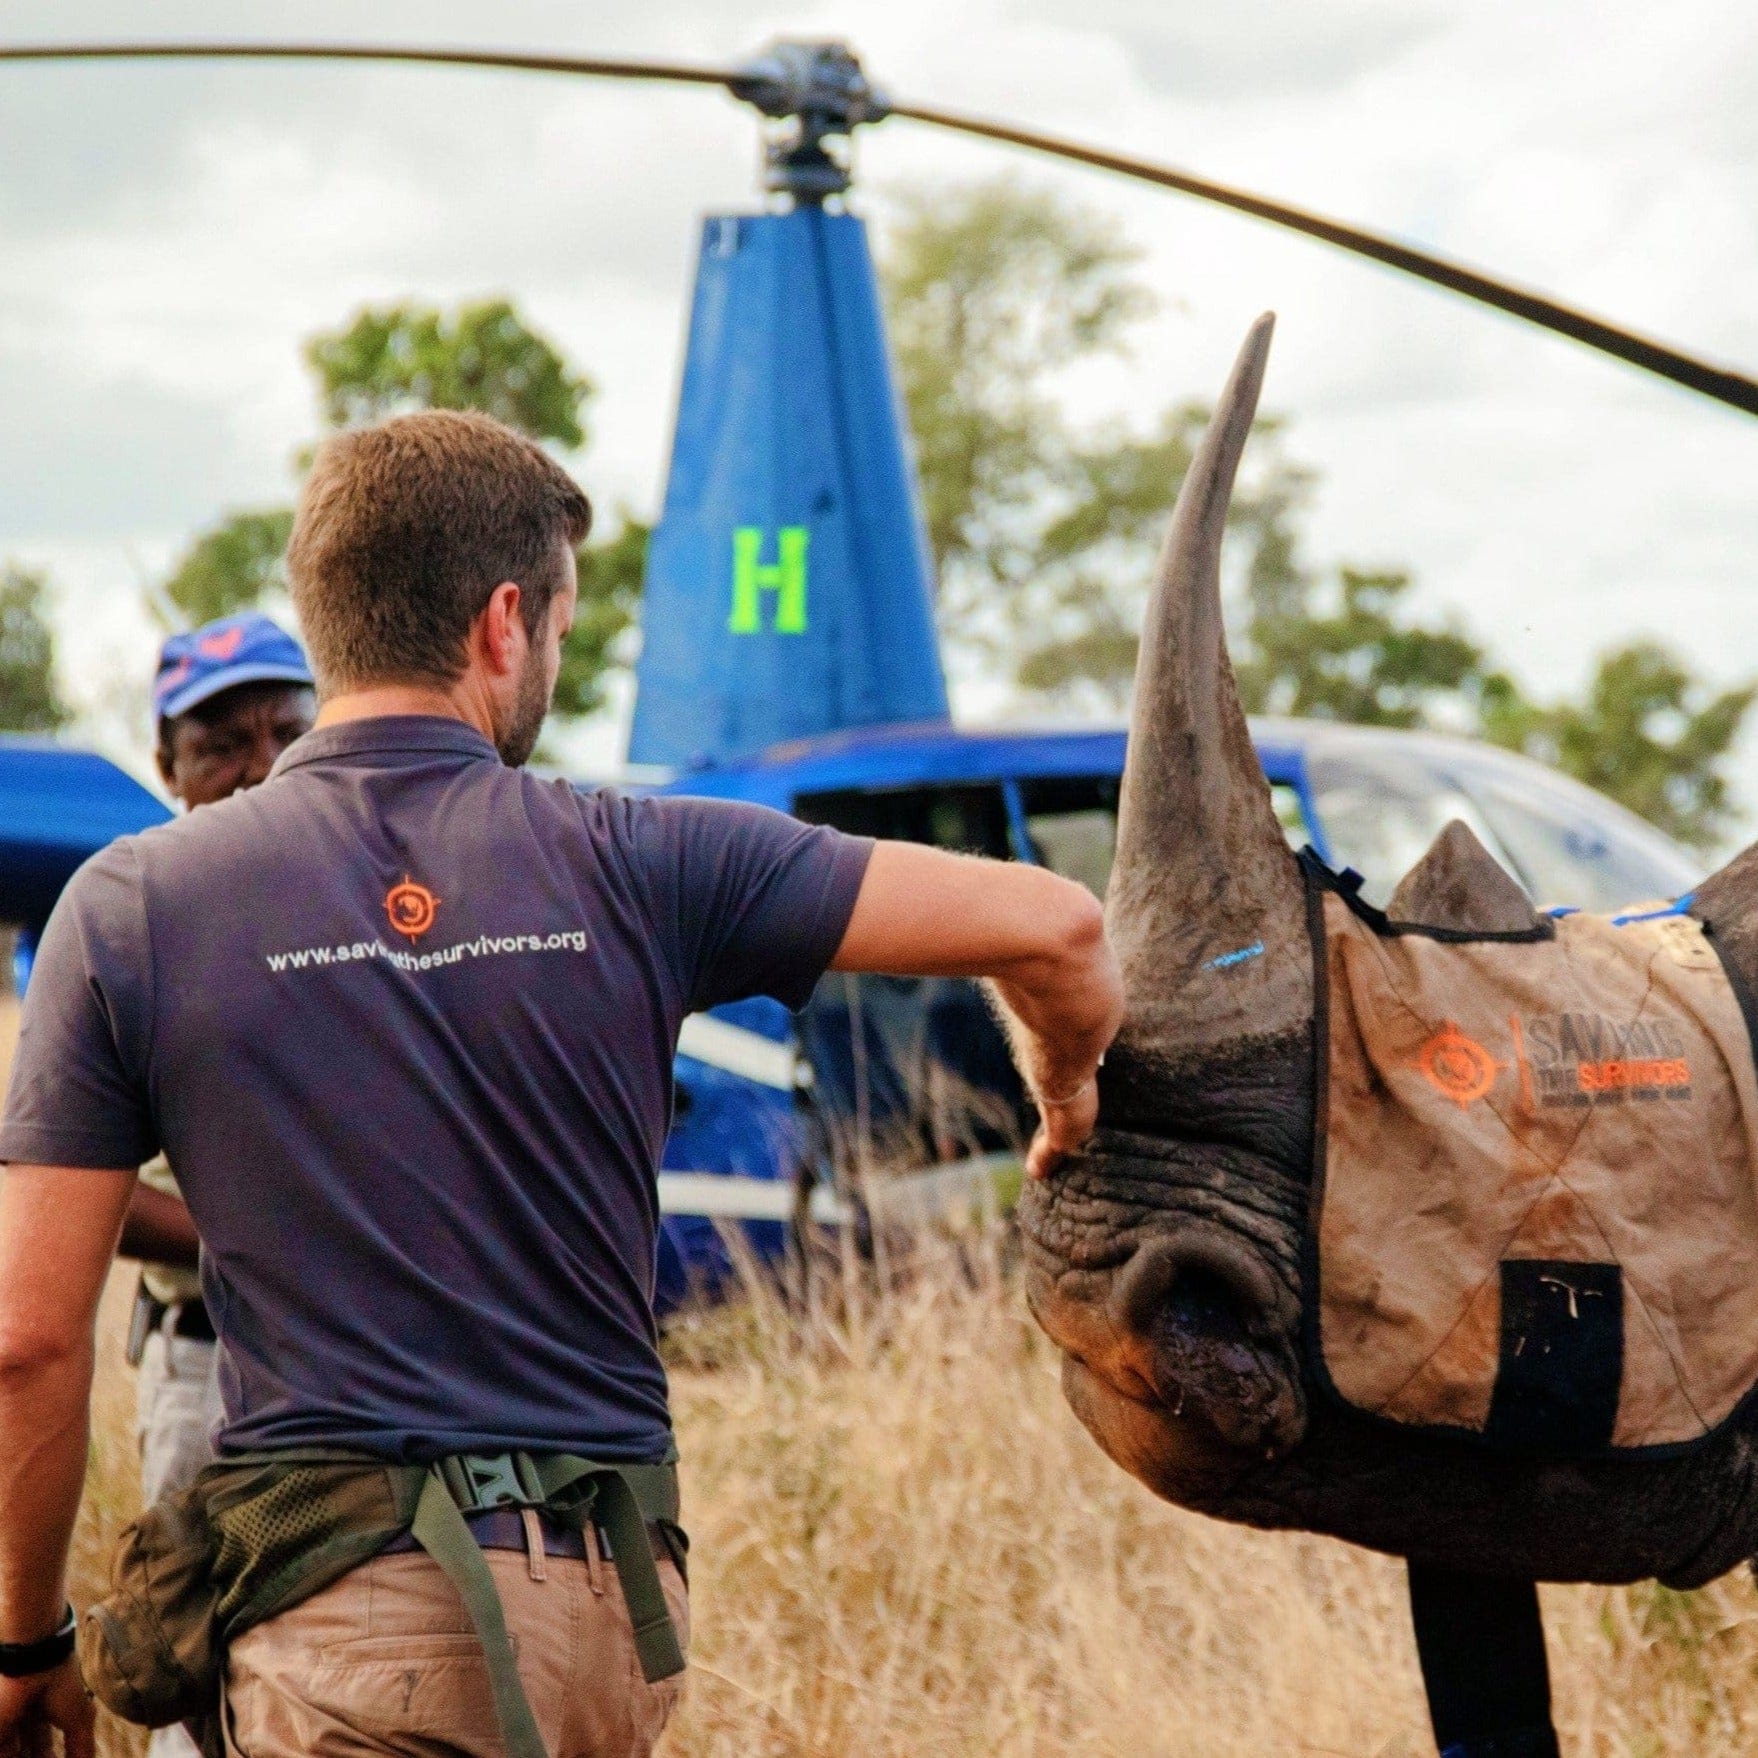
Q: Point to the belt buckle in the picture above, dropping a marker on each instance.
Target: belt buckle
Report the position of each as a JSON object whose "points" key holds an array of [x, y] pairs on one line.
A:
{"points": [[495, 1480]]}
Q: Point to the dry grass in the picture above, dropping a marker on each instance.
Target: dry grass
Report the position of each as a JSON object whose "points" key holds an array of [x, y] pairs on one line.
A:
{"points": [[905, 1545]]}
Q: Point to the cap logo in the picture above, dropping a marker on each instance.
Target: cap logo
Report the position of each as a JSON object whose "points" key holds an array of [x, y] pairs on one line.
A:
{"points": [[222, 644], [411, 908]]}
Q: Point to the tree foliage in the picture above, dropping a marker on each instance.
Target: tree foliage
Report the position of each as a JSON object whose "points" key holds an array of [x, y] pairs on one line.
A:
{"points": [[397, 358], [30, 698], [237, 564], [391, 360], [1646, 732], [988, 289], [1044, 532], [1359, 658]]}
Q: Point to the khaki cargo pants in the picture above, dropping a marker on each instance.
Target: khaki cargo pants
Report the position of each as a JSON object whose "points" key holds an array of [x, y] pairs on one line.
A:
{"points": [[385, 1661]]}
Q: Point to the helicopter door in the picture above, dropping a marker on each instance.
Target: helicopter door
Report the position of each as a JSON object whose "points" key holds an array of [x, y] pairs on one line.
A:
{"points": [[910, 1071]]}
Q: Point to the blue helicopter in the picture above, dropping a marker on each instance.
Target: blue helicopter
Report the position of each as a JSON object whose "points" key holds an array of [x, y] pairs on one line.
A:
{"points": [[790, 659]]}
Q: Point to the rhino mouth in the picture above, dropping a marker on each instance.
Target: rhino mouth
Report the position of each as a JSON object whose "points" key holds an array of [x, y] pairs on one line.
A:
{"points": [[1179, 1359], [1174, 1448]]}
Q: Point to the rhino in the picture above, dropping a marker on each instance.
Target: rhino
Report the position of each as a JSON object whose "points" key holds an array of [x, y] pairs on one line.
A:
{"points": [[1165, 1260]]}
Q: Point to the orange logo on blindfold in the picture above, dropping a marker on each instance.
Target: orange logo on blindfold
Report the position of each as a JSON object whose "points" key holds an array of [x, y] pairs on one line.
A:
{"points": [[1457, 1066], [411, 908]]}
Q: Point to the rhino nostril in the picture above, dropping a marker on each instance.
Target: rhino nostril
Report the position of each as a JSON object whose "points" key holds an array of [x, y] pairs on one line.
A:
{"points": [[1200, 1287], [1206, 1304]]}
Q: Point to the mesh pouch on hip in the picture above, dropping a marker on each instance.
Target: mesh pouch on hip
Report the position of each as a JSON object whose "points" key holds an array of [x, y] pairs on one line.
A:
{"points": [[252, 1536]]}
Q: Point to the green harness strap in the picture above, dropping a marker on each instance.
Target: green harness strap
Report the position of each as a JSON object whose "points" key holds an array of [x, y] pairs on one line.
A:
{"points": [[440, 1530], [620, 1498]]}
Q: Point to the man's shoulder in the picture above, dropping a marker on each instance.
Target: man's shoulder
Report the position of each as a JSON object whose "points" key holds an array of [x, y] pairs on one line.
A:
{"points": [[241, 821], [601, 815]]}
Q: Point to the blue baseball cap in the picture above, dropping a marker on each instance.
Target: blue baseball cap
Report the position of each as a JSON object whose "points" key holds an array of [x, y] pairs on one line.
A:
{"points": [[245, 648]]}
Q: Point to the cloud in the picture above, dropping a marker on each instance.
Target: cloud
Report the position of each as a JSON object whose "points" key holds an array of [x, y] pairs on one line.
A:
{"points": [[169, 235], [1251, 47]]}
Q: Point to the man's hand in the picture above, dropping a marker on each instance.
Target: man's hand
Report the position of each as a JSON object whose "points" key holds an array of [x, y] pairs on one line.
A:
{"points": [[30, 1708], [1039, 939], [1064, 1124]]}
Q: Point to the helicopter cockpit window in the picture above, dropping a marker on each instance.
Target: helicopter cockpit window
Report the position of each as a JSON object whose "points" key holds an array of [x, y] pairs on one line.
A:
{"points": [[1072, 821], [971, 818], [1568, 856]]}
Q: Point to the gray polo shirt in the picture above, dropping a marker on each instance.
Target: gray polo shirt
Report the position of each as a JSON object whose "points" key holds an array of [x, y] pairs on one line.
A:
{"points": [[403, 1019]]}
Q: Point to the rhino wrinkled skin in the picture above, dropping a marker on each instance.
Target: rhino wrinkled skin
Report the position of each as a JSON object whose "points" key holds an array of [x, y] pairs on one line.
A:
{"points": [[1165, 1260]]}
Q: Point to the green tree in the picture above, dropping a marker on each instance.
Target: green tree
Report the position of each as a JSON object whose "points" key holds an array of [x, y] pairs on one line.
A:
{"points": [[1360, 659], [237, 564], [988, 289], [391, 360], [397, 358], [1044, 533], [30, 699], [1646, 732]]}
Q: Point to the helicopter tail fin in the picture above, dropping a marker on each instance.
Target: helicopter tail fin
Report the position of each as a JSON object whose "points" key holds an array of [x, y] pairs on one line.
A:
{"points": [[787, 589]]}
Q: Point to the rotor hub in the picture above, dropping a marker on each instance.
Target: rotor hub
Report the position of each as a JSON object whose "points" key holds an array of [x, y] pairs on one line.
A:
{"points": [[816, 95]]}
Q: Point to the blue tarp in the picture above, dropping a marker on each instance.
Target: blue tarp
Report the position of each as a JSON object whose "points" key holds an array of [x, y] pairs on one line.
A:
{"points": [[787, 588], [57, 808]]}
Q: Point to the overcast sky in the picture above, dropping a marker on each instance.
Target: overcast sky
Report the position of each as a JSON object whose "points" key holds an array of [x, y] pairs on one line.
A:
{"points": [[168, 234]]}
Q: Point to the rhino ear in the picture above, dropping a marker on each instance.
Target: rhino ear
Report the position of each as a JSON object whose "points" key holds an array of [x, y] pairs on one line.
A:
{"points": [[1729, 899], [1460, 884]]}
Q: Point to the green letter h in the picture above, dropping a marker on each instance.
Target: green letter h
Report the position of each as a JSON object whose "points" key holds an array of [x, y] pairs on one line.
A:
{"points": [[785, 577]]}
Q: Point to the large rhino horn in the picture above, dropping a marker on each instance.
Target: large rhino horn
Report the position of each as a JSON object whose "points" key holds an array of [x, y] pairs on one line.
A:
{"points": [[1205, 904]]}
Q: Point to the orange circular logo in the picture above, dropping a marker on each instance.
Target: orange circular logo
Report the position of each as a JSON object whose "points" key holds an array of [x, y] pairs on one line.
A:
{"points": [[411, 908], [1457, 1065]]}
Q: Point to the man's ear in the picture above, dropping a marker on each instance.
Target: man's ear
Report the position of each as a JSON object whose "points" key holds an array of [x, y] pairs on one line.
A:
{"points": [[503, 629]]}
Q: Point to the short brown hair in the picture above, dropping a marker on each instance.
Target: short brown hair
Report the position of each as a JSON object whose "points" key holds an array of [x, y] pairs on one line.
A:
{"points": [[406, 528]]}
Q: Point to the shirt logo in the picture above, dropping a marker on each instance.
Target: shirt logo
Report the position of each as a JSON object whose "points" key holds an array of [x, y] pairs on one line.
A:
{"points": [[411, 908], [1457, 1066]]}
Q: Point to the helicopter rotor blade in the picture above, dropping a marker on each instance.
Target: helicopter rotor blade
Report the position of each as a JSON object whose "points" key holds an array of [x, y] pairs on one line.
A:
{"points": [[594, 67], [1702, 376]]}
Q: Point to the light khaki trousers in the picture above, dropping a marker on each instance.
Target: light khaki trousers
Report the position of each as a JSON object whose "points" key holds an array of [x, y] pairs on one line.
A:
{"points": [[385, 1661]]}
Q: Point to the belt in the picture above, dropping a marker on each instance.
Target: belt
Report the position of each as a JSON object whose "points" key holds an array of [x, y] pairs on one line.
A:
{"points": [[625, 1500], [504, 1529]]}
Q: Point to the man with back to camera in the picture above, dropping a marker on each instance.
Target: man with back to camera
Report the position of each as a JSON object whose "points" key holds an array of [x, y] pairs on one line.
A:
{"points": [[228, 699], [429, 1004]]}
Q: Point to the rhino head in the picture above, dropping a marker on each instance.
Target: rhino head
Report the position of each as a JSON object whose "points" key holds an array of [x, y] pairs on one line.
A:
{"points": [[1166, 1259]]}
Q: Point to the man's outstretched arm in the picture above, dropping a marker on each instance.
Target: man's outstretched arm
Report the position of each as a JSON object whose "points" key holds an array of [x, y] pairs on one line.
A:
{"points": [[1038, 938], [58, 1230]]}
